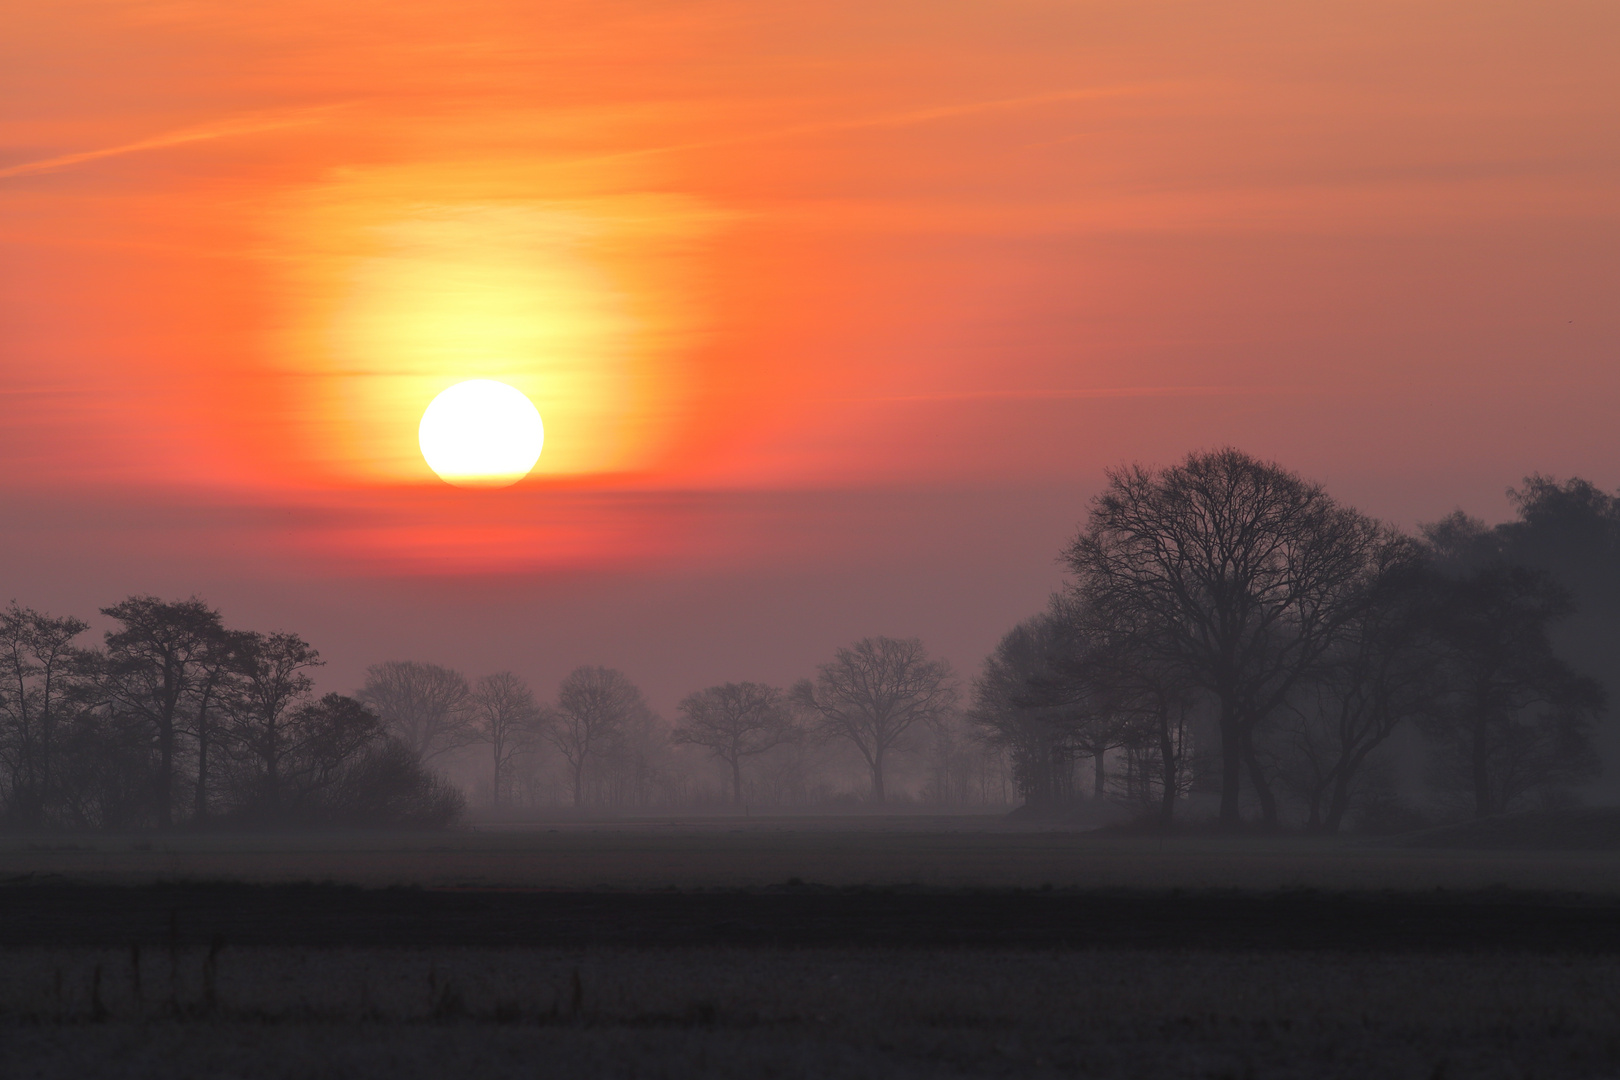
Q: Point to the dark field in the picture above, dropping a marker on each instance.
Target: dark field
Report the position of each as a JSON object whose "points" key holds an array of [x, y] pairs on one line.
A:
{"points": [[847, 947]]}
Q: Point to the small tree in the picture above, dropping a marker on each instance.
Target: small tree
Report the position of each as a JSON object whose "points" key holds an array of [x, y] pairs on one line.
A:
{"points": [[874, 693], [734, 721], [324, 739], [1515, 717], [1014, 711], [1380, 674], [41, 678], [275, 682], [594, 707], [425, 706], [506, 717], [154, 663]]}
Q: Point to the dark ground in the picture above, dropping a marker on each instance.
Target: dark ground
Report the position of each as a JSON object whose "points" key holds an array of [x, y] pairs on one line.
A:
{"points": [[207, 958], [803, 916]]}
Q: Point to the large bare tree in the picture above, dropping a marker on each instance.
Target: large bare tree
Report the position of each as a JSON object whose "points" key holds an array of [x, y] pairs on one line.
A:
{"points": [[1231, 573], [734, 721], [874, 693], [425, 706], [507, 718], [595, 706]]}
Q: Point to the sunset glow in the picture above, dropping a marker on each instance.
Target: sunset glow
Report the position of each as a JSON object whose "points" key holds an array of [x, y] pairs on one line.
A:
{"points": [[803, 247]]}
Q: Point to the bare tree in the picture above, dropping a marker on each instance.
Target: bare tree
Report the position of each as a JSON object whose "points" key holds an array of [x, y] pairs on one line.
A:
{"points": [[1514, 716], [324, 740], [1380, 674], [153, 663], [507, 718], [1017, 711], [594, 707], [1231, 573], [425, 706], [874, 693], [734, 721], [40, 673], [1149, 705], [275, 682]]}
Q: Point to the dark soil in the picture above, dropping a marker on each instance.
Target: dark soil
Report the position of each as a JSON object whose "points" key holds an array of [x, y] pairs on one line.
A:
{"points": [[1594, 828], [803, 916]]}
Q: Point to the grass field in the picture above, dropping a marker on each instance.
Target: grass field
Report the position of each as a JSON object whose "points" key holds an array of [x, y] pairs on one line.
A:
{"points": [[946, 852], [898, 947]]}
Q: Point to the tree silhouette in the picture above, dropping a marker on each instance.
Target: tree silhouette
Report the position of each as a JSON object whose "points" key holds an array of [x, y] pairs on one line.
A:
{"points": [[875, 692], [425, 706], [734, 721], [1232, 574], [507, 718], [594, 707], [275, 682], [160, 654], [41, 676]]}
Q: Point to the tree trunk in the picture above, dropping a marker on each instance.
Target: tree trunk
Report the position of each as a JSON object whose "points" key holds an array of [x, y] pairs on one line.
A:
{"points": [[199, 811], [1170, 769], [1339, 805], [1262, 788], [495, 773], [1484, 805], [877, 778], [1231, 771], [579, 783], [164, 795], [736, 780], [1313, 812], [1099, 774]]}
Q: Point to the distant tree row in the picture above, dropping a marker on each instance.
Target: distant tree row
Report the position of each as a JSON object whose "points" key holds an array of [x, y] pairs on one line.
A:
{"points": [[879, 697], [178, 719], [1232, 629]]}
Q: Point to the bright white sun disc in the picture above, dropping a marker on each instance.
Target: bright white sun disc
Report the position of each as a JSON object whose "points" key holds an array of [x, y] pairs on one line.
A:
{"points": [[481, 433]]}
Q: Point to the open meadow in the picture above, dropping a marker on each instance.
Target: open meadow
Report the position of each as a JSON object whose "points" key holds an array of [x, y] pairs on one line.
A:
{"points": [[948, 852], [803, 947]]}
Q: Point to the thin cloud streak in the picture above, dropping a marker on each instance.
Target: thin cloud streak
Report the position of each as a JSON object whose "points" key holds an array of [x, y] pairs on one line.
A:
{"points": [[221, 129], [1066, 395], [900, 119]]}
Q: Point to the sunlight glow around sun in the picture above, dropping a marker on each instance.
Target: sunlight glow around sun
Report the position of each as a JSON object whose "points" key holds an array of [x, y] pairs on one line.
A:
{"points": [[481, 433]]}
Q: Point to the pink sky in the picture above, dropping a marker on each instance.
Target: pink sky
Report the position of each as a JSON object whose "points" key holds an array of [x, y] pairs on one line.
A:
{"points": [[836, 312]]}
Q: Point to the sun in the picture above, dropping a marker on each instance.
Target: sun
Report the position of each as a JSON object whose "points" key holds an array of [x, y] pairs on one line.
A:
{"points": [[481, 433]]}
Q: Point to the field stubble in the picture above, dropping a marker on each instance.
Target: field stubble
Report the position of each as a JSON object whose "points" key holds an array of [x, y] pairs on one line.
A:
{"points": [[109, 972], [678, 1013]]}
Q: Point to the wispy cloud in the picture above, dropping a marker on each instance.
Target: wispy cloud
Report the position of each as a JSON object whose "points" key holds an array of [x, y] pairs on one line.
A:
{"points": [[218, 129], [1066, 395], [895, 119]]}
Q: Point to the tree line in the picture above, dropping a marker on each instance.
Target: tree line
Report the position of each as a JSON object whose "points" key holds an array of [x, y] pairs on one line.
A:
{"points": [[1232, 631], [177, 719], [1231, 639], [875, 699]]}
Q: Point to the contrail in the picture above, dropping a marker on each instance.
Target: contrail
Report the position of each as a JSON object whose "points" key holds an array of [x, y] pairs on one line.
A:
{"points": [[219, 129], [899, 119], [1068, 395]]}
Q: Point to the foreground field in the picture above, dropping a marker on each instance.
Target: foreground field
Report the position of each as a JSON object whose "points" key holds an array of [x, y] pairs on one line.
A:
{"points": [[404, 1014], [945, 852], [903, 948]]}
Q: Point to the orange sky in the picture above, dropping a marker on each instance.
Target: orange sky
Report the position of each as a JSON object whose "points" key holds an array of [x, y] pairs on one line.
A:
{"points": [[740, 250]]}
